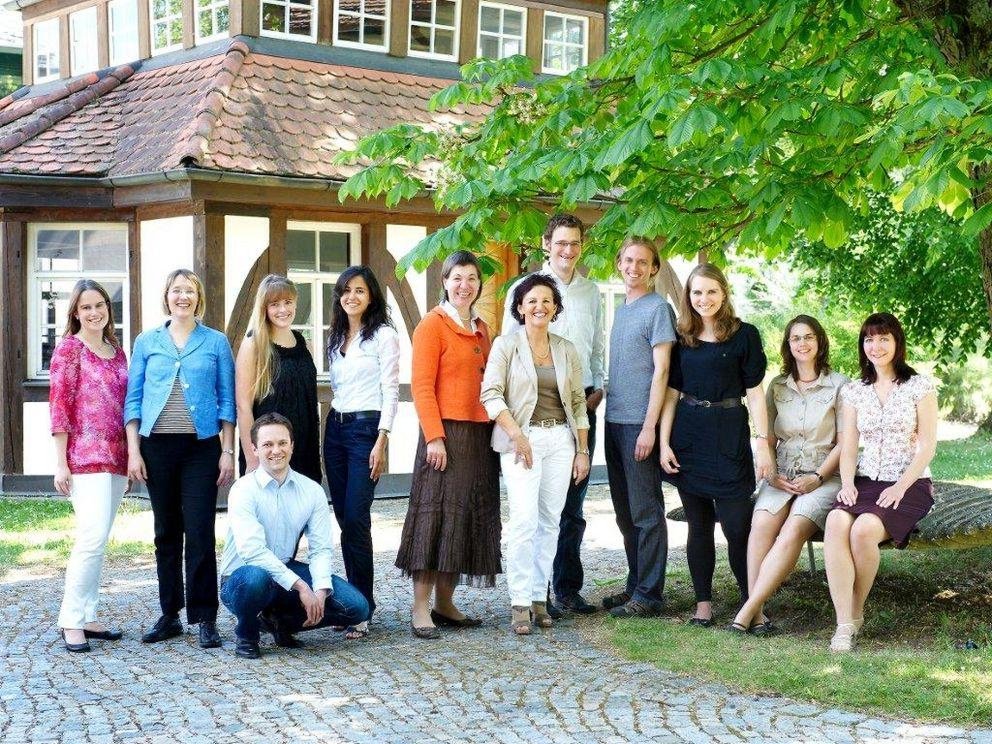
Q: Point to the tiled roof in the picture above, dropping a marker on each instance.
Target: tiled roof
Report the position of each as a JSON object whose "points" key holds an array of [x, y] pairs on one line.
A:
{"points": [[235, 111]]}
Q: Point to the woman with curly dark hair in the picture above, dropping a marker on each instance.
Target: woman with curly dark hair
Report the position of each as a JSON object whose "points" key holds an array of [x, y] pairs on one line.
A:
{"points": [[363, 355]]}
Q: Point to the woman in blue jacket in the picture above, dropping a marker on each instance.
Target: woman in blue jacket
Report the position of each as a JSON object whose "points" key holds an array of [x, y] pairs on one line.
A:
{"points": [[180, 396]]}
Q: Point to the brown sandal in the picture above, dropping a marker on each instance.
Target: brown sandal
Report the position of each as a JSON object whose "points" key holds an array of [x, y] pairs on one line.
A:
{"points": [[541, 617], [520, 620]]}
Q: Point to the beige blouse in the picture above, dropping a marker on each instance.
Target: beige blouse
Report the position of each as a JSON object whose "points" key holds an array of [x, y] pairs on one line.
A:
{"points": [[888, 432], [805, 423]]}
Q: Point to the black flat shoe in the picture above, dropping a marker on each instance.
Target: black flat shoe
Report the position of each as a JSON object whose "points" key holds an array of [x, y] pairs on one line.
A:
{"points": [[247, 649], [703, 622], [166, 627], [104, 635], [615, 600], [449, 622], [209, 637], [283, 639], [426, 632], [75, 648], [763, 630], [738, 628], [577, 604]]}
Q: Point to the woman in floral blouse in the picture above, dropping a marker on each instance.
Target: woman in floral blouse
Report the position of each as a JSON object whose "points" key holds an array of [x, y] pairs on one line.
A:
{"points": [[88, 383], [891, 413]]}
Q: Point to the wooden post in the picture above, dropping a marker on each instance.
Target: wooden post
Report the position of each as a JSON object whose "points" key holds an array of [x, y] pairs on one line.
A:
{"points": [[208, 263], [535, 37], [277, 243], [134, 276], [469, 40], [13, 331], [399, 28]]}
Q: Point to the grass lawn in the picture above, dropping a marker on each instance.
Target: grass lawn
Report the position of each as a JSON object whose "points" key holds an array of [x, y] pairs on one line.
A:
{"points": [[906, 664]]}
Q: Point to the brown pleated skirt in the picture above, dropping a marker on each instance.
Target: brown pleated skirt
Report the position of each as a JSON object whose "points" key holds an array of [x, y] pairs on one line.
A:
{"points": [[452, 522], [901, 522]]}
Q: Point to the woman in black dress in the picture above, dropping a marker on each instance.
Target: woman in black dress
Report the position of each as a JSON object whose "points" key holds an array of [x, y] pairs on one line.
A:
{"points": [[275, 373], [705, 450]]}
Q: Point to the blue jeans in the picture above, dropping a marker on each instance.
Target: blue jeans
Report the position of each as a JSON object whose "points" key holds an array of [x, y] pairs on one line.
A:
{"points": [[250, 590], [635, 488], [566, 573], [346, 459]]}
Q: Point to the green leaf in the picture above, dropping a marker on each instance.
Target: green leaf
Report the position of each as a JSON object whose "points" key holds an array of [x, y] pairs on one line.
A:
{"points": [[978, 222], [633, 140]]}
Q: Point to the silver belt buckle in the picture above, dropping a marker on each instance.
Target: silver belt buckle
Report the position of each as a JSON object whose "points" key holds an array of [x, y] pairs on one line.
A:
{"points": [[705, 403]]}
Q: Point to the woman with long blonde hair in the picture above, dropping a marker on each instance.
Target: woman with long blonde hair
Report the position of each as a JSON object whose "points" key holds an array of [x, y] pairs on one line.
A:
{"points": [[717, 366], [275, 373]]}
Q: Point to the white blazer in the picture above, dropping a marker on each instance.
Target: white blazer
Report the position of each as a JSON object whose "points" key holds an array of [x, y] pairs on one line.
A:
{"points": [[510, 383]]}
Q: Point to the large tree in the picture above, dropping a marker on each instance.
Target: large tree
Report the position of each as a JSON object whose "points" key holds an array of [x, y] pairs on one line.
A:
{"points": [[750, 124]]}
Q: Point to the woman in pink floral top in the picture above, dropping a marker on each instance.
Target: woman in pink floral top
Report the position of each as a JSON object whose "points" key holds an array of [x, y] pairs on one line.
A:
{"points": [[88, 384], [891, 412]]}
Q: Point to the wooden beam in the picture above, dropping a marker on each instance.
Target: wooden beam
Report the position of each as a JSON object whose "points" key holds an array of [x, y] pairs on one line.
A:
{"points": [[237, 326], [535, 37], [399, 28], [152, 193], [144, 30], [65, 61], [596, 43], [208, 263], [102, 36], [55, 196], [13, 330], [469, 41], [277, 243], [433, 279], [66, 214], [376, 255], [134, 277], [325, 21], [189, 32], [27, 63], [250, 17]]}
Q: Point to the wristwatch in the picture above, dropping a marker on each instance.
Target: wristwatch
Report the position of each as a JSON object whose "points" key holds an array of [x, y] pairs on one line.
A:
{"points": [[227, 452], [582, 452]]}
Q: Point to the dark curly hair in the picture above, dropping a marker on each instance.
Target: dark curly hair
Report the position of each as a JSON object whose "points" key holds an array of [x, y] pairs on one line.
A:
{"points": [[525, 286], [375, 315]]}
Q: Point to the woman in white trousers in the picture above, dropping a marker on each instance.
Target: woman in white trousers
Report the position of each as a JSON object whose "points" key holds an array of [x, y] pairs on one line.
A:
{"points": [[533, 390], [88, 385]]}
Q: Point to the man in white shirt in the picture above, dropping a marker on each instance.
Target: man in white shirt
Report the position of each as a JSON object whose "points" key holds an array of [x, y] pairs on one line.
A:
{"points": [[261, 583], [582, 323]]}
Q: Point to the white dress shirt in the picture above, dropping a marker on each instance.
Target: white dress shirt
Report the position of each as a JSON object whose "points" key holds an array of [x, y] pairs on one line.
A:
{"points": [[581, 322], [264, 524], [367, 377]]}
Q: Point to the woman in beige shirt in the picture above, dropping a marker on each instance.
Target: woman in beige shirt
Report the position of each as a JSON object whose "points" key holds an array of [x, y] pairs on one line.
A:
{"points": [[803, 425]]}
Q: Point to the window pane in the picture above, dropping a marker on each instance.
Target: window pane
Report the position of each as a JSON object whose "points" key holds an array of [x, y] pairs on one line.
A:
{"points": [[301, 250], [375, 32], [49, 339], [58, 250], [574, 29], [223, 19], [348, 28], [273, 17], [351, 6], [420, 10], [123, 31], [159, 8], [104, 250], [511, 47], [489, 19], [444, 42], [550, 59], [334, 251], [445, 13], [513, 23], [116, 292], [299, 20], [206, 23], [554, 28], [420, 38], [375, 7], [574, 58], [327, 296], [489, 47], [304, 303]]}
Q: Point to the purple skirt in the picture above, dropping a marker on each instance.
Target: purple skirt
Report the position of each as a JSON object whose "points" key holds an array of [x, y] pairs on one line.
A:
{"points": [[900, 522]]}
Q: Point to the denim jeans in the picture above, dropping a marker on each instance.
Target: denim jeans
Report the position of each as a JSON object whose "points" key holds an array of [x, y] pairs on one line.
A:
{"points": [[346, 458], [567, 574], [182, 488], [635, 488], [250, 590]]}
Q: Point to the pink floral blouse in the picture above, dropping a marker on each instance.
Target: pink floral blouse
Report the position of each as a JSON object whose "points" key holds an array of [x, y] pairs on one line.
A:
{"points": [[87, 402], [888, 432]]}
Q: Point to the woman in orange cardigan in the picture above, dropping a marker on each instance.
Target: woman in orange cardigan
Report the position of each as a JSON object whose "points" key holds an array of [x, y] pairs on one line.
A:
{"points": [[452, 528]]}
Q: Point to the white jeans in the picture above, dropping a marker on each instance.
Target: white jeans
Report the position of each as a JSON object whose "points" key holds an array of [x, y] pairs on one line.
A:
{"points": [[536, 498], [95, 498]]}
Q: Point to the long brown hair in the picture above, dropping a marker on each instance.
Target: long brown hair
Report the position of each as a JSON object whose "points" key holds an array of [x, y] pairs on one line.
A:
{"points": [[690, 324], [878, 324], [822, 362], [271, 289], [72, 325]]}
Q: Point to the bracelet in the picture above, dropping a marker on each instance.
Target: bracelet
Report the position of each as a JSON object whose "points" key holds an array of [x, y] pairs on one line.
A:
{"points": [[227, 452], [819, 477], [582, 452]]}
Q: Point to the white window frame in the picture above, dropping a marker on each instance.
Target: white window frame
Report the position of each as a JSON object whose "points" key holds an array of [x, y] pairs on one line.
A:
{"points": [[168, 18], [566, 44], [116, 35], [317, 279], [213, 6], [433, 26], [36, 280], [287, 4], [87, 38], [361, 15], [40, 29], [501, 35]]}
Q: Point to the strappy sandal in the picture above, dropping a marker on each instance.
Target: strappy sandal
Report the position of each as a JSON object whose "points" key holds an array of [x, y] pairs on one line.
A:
{"points": [[357, 632], [844, 638], [738, 628], [541, 617], [520, 620]]}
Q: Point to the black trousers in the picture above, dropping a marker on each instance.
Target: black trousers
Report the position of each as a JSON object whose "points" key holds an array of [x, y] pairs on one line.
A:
{"points": [[702, 514], [182, 486]]}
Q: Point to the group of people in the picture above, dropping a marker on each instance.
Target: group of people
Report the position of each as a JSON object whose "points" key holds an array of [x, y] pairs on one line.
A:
{"points": [[686, 406]]}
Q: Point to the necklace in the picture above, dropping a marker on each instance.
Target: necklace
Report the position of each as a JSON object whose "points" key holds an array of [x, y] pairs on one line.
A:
{"points": [[808, 381], [539, 356]]}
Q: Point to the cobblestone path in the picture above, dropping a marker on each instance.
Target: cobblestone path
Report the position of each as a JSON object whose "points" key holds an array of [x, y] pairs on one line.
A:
{"points": [[474, 686]]}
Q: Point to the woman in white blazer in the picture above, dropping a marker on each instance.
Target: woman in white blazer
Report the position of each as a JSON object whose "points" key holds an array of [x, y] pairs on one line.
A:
{"points": [[533, 390]]}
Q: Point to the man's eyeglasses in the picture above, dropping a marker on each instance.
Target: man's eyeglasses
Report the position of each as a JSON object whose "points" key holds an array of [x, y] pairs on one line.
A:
{"points": [[560, 244]]}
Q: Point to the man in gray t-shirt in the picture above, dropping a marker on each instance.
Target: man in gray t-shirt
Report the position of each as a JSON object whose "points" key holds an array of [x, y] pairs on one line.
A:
{"points": [[640, 348]]}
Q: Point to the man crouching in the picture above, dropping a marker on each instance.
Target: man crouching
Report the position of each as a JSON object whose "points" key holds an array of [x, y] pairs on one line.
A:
{"points": [[262, 584]]}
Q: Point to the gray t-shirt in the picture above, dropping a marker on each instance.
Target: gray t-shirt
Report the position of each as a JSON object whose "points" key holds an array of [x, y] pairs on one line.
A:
{"points": [[637, 328]]}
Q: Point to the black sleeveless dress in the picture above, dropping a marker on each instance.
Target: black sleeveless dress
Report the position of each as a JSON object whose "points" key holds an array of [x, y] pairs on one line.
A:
{"points": [[294, 395]]}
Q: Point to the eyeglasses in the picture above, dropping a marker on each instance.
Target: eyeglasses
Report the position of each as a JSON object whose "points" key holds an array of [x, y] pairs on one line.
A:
{"points": [[177, 292], [808, 338], [560, 244]]}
